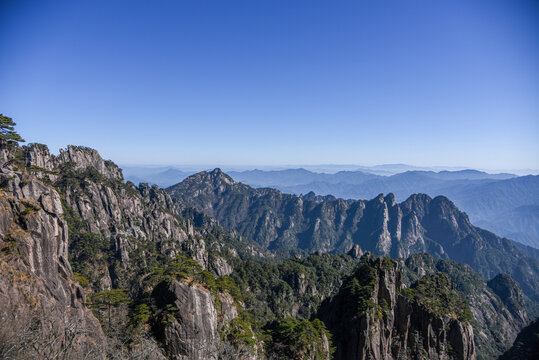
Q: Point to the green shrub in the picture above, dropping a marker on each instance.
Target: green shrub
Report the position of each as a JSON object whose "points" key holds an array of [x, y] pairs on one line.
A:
{"points": [[239, 331], [299, 339], [437, 294], [140, 316], [359, 288], [226, 283]]}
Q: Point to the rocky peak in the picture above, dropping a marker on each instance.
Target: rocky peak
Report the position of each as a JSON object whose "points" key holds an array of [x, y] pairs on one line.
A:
{"points": [[390, 200], [311, 196], [511, 294], [379, 198], [444, 209], [416, 203], [355, 252], [217, 172], [214, 177], [372, 318], [84, 158], [79, 157], [40, 156]]}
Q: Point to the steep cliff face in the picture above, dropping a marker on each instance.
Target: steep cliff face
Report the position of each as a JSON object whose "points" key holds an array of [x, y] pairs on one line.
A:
{"points": [[381, 225], [194, 321], [135, 224], [497, 306], [371, 318], [42, 310], [511, 295], [80, 158], [125, 237]]}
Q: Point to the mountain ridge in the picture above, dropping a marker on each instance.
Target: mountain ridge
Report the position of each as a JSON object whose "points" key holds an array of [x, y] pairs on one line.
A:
{"points": [[421, 223], [507, 207]]}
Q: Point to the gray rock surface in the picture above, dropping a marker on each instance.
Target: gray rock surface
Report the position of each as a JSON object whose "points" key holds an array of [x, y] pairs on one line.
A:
{"points": [[192, 330], [389, 326], [499, 313], [143, 223], [42, 306]]}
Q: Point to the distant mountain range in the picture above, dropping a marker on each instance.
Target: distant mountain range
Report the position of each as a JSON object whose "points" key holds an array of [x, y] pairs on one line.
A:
{"points": [[504, 203], [296, 225], [162, 176]]}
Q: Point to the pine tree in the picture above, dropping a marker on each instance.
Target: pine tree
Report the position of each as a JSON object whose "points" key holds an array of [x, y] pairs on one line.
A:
{"points": [[7, 131]]}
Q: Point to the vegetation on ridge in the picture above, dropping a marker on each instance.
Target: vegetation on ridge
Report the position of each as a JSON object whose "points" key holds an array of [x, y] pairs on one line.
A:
{"points": [[437, 294]]}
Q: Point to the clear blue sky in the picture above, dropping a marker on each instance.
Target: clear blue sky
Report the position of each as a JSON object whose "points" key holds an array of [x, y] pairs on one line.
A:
{"points": [[277, 82]]}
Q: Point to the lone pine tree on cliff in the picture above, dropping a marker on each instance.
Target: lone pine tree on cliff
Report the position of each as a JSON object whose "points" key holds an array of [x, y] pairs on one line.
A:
{"points": [[8, 135]]}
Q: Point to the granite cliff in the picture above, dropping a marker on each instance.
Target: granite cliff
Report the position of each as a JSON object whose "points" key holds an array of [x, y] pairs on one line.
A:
{"points": [[122, 239], [42, 312], [498, 306], [373, 317]]}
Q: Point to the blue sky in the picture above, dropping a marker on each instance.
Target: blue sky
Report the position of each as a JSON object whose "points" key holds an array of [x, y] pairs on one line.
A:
{"points": [[453, 83]]}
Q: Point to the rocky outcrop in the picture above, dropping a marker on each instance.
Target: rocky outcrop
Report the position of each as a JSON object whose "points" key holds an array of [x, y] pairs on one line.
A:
{"points": [[355, 252], [121, 233], [79, 157], [370, 318], [42, 310], [118, 235], [511, 295], [141, 222], [192, 322], [497, 306]]}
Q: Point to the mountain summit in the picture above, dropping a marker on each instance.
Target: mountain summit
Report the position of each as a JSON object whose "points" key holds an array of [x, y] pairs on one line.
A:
{"points": [[293, 224]]}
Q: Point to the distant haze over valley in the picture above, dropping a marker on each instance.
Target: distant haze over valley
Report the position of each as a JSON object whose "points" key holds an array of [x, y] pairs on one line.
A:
{"points": [[502, 202]]}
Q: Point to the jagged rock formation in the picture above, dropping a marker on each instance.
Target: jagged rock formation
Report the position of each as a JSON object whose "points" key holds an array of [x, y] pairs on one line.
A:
{"points": [[510, 293], [137, 220], [120, 233], [42, 312], [280, 221], [497, 306], [317, 198], [502, 203], [370, 318], [199, 318], [79, 157]]}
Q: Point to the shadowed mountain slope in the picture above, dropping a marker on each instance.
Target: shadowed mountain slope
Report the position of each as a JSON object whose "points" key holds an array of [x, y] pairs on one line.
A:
{"points": [[503, 203]]}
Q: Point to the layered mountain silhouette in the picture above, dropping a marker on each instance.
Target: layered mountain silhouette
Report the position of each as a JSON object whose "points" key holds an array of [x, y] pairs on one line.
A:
{"points": [[285, 222], [502, 203]]}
